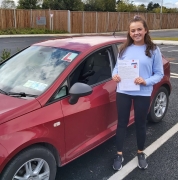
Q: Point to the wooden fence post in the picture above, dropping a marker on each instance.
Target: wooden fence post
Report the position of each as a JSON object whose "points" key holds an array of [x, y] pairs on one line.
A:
{"points": [[69, 22], [31, 25], [15, 24], [107, 23], [83, 18], [49, 20], [122, 24], [168, 22], [161, 20], [96, 22], [52, 21], [1, 20], [118, 21], [154, 22]]}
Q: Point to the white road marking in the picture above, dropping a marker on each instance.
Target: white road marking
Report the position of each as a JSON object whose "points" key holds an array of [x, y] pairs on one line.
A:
{"points": [[166, 47], [174, 76], [130, 166], [172, 50], [173, 63]]}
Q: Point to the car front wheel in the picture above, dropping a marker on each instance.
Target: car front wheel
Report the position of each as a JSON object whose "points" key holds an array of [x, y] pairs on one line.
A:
{"points": [[159, 105], [36, 163]]}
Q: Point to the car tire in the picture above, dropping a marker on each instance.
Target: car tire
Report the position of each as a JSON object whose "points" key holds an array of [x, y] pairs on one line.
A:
{"points": [[159, 105], [33, 162]]}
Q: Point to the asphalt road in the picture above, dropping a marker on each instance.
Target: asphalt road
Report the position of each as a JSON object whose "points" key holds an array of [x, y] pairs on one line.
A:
{"points": [[97, 164], [165, 33], [15, 44]]}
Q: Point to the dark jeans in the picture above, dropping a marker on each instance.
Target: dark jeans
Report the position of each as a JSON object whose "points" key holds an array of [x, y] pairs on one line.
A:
{"points": [[141, 106]]}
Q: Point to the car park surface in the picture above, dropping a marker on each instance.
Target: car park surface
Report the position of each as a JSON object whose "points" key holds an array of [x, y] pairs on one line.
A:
{"points": [[97, 164], [51, 115]]}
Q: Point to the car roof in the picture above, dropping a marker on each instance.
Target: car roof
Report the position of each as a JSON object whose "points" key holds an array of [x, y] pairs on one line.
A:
{"points": [[82, 43]]}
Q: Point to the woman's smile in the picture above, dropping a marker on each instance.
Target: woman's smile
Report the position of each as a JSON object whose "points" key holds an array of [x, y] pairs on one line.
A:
{"points": [[137, 33]]}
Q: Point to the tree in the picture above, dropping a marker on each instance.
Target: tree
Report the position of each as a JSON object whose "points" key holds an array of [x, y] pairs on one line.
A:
{"points": [[126, 6], [8, 4], [158, 10], [100, 5], [165, 10], [141, 8], [118, 1], [90, 5], [29, 4], [53, 4], [173, 10], [156, 5], [72, 5], [150, 6], [109, 5]]}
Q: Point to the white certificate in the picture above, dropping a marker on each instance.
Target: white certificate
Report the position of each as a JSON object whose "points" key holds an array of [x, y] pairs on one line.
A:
{"points": [[128, 70]]}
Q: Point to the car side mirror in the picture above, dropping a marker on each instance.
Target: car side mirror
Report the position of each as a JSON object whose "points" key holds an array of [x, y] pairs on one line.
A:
{"points": [[79, 90]]}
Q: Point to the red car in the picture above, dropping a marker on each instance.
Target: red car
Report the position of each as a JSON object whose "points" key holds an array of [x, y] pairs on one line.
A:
{"points": [[58, 102]]}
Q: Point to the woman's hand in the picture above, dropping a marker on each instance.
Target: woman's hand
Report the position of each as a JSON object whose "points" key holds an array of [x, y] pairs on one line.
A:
{"points": [[140, 80], [116, 78]]}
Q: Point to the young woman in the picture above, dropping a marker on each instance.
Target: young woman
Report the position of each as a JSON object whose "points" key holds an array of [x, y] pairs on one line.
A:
{"points": [[139, 47]]}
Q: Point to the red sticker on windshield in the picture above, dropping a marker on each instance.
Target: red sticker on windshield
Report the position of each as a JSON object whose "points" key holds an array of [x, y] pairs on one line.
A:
{"points": [[69, 57]]}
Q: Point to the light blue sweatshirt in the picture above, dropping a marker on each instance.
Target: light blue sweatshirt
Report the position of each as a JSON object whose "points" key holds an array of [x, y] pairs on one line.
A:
{"points": [[151, 69]]}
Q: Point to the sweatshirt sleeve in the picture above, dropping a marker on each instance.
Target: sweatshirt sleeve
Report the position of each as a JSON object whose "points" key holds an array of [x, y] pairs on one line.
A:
{"points": [[115, 70], [157, 68]]}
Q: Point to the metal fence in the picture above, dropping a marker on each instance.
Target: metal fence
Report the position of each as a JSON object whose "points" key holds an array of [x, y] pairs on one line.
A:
{"points": [[82, 21]]}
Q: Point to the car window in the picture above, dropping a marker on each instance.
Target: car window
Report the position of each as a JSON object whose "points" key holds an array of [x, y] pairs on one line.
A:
{"points": [[62, 92], [95, 68], [33, 70]]}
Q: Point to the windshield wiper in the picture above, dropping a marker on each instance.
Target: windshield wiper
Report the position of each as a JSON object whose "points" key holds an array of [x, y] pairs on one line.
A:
{"points": [[3, 92], [21, 94]]}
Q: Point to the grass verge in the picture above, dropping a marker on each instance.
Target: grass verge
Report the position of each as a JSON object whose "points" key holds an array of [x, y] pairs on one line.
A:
{"points": [[165, 38], [30, 31]]}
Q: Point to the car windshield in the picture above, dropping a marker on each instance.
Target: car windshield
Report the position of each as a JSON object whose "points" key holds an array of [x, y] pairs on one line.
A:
{"points": [[33, 70]]}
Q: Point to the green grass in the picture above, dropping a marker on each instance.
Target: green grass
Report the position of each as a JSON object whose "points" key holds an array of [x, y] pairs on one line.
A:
{"points": [[5, 54], [165, 38], [29, 31]]}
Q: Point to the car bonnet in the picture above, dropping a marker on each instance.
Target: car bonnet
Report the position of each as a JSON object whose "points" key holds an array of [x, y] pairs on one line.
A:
{"points": [[11, 107]]}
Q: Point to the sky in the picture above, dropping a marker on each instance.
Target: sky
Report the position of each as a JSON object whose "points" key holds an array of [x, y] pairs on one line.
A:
{"points": [[167, 3]]}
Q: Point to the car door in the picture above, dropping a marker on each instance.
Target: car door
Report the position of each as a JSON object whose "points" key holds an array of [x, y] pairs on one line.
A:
{"points": [[93, 118]]}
